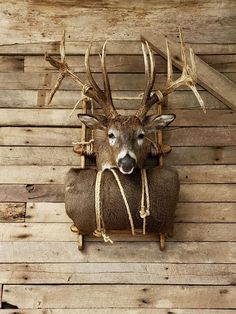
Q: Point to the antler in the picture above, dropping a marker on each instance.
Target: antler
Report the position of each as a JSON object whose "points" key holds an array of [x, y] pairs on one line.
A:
{"points": [[91, 90], [188, 78]]}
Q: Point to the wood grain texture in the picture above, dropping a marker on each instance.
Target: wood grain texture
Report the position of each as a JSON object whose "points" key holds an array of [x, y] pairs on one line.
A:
{"points": [[118, 273], [12, 212], [122, 63], [185, 212], [43, 136], [133, 252], [201, 21], [61, 117], [145, 296], [115, 47], [116, 311], [55, 193], [56, 174], [53, 232], [67, 99], [64, 156]]}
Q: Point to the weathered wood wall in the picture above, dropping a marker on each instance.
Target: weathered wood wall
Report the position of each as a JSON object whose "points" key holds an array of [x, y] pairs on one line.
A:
{"points": [[40, 267]]}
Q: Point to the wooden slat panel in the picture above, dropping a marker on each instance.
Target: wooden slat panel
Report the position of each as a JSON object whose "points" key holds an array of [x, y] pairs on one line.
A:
{"points": [[185, 212], [55, 193], [145, 296], [115, 20], [118, 273], [21, 156], [42, 232], [67, 99], [61, 117], [56, 174], [59, 252], [42, 136], [12, 212], [124, 63]]}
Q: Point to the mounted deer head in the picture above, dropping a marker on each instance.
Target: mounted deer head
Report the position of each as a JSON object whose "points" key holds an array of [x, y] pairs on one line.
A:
{"points": [[124, 145]]}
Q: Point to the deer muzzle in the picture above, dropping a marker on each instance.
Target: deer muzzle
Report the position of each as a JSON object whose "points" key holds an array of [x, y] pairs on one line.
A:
{"points": [[126, 164]]}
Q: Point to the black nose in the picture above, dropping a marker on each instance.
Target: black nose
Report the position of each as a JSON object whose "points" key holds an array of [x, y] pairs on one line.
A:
{"points": [[126, 163]]}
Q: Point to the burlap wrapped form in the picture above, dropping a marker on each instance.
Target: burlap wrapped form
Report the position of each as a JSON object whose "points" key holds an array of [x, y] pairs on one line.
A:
{"points": [[163, 183]]}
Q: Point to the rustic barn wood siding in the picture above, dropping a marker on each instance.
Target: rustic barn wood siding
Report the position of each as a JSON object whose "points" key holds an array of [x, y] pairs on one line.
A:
{"points": [[41, 270]]}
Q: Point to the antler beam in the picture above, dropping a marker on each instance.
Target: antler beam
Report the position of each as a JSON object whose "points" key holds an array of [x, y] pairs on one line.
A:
{"points": [[188, 78], [91, 90]]}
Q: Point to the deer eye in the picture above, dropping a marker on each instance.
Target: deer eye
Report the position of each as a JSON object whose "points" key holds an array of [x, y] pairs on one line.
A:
{"points": [[140, 136], [111, 135]]}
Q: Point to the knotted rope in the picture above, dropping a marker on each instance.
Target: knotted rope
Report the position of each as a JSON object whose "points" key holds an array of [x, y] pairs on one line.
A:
{"points": [[144, 211]]}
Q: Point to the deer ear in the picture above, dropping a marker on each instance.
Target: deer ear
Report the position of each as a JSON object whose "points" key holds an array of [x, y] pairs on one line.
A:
{"points": [[155, 122], [94, 121]]}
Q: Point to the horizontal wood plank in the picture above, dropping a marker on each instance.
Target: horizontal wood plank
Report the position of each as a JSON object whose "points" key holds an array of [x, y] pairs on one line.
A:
{"points": [[185, 212], [20, 156], [132, 252], [56, 174], [118, 273], [12, 212], [146, 296], [11, 64], [61, 117], [116, 47], [53, 232], [114, 20], [123, 63], [55, 193], [116, 311], [67, 99], [43, 136]]}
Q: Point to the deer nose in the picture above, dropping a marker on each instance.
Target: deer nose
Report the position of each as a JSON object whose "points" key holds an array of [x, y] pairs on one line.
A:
{"points": [[126, 164]]}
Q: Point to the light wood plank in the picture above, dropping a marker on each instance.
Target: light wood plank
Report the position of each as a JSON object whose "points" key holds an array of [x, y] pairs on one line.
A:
{"points": [[124, 63], [185, 212], [114, 20], [13, 155], [55, 193], [117, 47], [116, 311], [209, 78], [12, 212], [118, 273], [67, 99], [53, 232], [56, 174], [132, 252], [118, 296], [61, 117], [43, 136]]}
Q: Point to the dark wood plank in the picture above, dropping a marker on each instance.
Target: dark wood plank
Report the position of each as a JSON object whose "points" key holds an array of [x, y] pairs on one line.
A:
{"points": [[12, 212]]}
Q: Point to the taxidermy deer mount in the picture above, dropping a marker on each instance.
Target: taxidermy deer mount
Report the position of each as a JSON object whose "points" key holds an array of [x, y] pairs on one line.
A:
{"points": [[125, 145]]}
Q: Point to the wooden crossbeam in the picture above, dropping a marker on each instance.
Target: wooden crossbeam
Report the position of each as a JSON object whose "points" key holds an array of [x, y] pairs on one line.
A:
{"points": [[210, 79]]}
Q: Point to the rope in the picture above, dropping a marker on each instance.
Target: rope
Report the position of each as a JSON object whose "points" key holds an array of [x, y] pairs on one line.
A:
{"points": [[125, 200], [144, 210], [99, 232]]}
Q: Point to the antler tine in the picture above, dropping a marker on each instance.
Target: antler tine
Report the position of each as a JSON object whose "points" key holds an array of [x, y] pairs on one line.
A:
{"points": [[62, 47], [149, 81], [107, 88], [89, 73], [183, 53], [169, 64]]}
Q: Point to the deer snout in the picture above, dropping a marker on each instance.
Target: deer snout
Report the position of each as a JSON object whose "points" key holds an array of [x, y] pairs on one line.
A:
{"points": [[126, 164]]}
